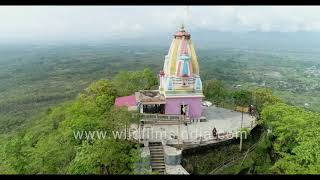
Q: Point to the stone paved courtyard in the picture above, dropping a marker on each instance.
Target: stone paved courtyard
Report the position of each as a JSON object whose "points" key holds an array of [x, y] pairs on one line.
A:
{"points": [[224, 120]]}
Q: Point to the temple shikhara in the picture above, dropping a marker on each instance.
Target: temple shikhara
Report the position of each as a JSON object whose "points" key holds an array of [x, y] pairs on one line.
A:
{"points": [[180, 86], [180, 81]]}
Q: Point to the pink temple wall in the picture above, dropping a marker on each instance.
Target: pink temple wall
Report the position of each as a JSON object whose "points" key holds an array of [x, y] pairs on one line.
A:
{"points": [[194, 103]]}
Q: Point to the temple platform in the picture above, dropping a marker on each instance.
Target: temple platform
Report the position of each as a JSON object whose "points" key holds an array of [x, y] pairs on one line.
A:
{"points": [[227, 123]]}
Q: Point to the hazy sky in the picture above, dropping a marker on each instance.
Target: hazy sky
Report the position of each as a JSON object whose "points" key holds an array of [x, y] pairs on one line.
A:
{"points": [[64, 22]]}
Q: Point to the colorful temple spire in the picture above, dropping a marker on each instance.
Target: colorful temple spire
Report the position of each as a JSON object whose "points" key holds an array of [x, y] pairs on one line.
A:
{"points": [[180, 75]]}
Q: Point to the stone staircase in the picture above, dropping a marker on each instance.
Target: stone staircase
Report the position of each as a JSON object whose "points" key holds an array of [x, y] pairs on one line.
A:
{"points": [[157, 157]]}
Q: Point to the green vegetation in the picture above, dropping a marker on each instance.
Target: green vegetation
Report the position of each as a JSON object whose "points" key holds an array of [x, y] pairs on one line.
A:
{"points": [[34, 78], [49, 145], [295, 144], [217, 92], [242, 98], [128, 82]]}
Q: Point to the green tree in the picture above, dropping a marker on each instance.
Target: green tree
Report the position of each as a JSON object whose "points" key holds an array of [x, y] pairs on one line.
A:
{"points": [[51, 155], [17, 152], [242, 98], [214, 90], [116, 156], [295, 141], [129, 82], [102, 93], [151, 78], [261, 96]]}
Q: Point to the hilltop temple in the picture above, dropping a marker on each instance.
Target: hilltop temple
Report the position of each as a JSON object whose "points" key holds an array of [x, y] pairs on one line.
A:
{"points": [[180, 88], [173, 118]]}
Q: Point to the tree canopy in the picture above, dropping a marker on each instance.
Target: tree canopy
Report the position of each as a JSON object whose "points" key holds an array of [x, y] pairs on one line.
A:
{"points": [[296, 142], [49, 146]]}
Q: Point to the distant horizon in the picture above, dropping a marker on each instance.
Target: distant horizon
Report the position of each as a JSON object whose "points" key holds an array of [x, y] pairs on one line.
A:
{"points": [[72, 23], [204, 39]]}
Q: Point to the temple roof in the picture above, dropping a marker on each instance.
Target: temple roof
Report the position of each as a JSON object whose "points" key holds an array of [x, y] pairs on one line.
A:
{"points": [[180, 76], [125, 101], [149, 97], [181, 47], [182, 32]]}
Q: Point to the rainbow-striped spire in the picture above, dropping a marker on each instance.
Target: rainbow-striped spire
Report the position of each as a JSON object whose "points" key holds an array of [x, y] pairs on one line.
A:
{"points": [[180, 73]]}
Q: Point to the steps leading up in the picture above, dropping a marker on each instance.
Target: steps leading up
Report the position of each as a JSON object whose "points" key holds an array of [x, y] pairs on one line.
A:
{"points": [[157, 157]]}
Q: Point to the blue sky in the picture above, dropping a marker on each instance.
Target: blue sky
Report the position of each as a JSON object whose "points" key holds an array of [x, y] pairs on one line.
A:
{"points": [[76, 22]]}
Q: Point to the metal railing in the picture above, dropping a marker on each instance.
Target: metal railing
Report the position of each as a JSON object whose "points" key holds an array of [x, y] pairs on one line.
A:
{"points": [[161, 117]]}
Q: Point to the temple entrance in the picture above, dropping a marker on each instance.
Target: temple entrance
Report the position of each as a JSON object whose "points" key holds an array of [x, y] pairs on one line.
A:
{"points": [[154, 108], [183, 109]]}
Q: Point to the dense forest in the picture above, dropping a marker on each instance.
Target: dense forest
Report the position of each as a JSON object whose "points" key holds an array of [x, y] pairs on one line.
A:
{"points": [[48, 145], [48, 92]]}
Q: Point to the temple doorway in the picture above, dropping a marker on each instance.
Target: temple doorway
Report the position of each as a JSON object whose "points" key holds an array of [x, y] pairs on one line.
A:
{"points": [[154, 108], [184, 109]]}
